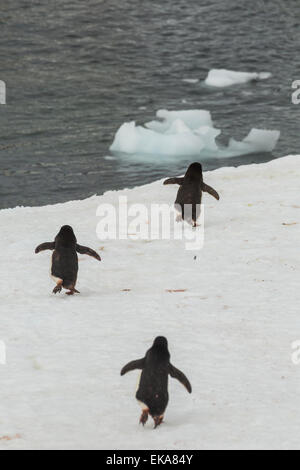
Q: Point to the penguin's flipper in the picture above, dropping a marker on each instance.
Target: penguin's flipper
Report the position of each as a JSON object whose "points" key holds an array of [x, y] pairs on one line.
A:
{"points": [[177, 374], [210, 190], [84, 250], [45, 246], [174, 181], [138, 364]]}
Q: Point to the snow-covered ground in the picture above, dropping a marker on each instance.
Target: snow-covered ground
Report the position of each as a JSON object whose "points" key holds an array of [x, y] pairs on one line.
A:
{"points": [[230, 330]]}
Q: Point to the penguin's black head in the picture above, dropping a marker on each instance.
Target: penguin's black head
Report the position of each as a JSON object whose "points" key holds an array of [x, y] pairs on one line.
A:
{"points": [[160, 350], [194, 171], [161, 342], [66, 235]]}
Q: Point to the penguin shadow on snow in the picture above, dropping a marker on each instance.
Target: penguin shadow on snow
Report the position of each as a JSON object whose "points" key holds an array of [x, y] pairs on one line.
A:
{"points": [[152, 393], [64, 266]]}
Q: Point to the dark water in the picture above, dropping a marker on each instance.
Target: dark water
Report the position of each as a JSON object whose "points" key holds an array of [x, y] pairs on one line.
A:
{"points": [[76, 70]]}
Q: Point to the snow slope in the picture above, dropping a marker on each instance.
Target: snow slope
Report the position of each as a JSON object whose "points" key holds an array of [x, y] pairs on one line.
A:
{"points": [[230, 331]]}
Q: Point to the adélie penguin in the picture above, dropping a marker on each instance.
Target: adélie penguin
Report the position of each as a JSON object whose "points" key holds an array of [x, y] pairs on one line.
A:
{"points": [[152, 393], [189, 196], [64, 267]]}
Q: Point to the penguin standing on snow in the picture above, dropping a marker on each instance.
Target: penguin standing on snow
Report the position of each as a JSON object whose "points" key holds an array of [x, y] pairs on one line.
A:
{"points": [[190, 193], [152, 392], [64, 267]]}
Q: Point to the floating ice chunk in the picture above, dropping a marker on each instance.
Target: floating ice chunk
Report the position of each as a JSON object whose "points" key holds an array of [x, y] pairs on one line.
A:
{"points": [[109, 157], [187, 133], [224, 78], [264, 75], [136, 139], [256, 141], [190, 80]]}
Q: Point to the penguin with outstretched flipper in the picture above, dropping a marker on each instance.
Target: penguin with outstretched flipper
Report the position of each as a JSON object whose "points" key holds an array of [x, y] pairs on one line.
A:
{"points": [[189, 196], [64, 268], [152, 392]]}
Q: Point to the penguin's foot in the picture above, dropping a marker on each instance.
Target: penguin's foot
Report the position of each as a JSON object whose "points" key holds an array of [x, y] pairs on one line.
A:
{"points": [[71, 289], [144, 417], [158, 420], [72, 292], [57, 289]]}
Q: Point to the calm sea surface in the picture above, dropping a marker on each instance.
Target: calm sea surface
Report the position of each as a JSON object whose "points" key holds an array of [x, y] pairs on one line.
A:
{"points": [[76, 70]]}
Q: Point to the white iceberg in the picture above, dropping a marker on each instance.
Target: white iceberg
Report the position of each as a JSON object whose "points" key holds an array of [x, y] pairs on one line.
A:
{"points": [[187, 133], [222, 78], [257, 140]]}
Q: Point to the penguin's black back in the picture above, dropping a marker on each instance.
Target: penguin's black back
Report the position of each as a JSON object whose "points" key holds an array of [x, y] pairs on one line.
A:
{"points": [[65, 259], [153, 386], [190, 192]]}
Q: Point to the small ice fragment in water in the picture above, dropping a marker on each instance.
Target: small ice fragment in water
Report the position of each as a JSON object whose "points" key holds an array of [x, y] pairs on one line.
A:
{"points": [[190, 80], [223, 78]]}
